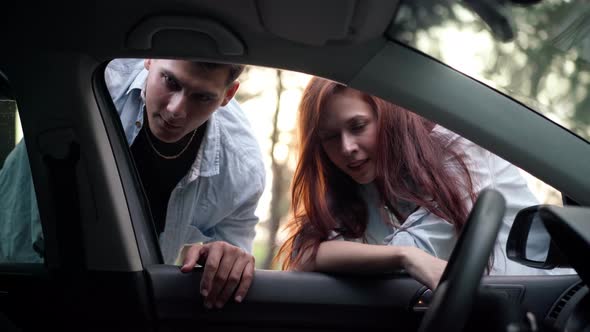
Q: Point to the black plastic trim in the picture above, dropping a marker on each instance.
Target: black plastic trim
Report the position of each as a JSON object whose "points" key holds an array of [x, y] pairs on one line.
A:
{"points": [[139, 210]]}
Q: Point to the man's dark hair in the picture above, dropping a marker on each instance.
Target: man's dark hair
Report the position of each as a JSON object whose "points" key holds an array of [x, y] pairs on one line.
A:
{"points": [[234, 69]]}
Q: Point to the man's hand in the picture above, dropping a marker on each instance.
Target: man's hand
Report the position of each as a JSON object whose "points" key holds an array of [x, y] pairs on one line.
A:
{"points": [[227, 269]]}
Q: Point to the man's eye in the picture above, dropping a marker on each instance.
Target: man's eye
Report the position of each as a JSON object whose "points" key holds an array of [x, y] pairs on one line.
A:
{"points": [[169, 81], [203, 98]]}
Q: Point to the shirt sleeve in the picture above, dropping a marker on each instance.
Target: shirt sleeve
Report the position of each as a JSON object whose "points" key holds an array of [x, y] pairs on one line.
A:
{"points": [[21, 226], [244, 179], [238, 227], [426, 231]]}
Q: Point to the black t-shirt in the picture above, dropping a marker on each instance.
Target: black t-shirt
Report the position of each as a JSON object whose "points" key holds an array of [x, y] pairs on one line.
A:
{"points": [[160, 176]]}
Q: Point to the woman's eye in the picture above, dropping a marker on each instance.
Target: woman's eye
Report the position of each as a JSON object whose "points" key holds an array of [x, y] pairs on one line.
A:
{"points": [[358, 127], [327, 138]]}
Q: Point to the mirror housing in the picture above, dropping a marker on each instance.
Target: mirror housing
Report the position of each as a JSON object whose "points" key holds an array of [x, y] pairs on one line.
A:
{"points": [[530, 244]]}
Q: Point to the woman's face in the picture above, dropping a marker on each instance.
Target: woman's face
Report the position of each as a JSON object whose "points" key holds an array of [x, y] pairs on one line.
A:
{"points": [[348, 134]]}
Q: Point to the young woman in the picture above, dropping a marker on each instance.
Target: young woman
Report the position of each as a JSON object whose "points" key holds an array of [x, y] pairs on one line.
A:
{"points": [[378, 188]]}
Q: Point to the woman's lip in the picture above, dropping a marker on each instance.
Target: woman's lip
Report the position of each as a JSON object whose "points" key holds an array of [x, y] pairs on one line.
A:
{"points": [[357, 163]]}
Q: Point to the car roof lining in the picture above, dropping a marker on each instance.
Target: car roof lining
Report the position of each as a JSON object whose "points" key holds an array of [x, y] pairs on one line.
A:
{"points": [[344, 21], [5, 89]]}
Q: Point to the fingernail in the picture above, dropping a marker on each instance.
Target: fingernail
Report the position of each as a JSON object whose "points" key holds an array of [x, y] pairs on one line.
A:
{"points": [[238, 299], [204, 292], [208, 305]]}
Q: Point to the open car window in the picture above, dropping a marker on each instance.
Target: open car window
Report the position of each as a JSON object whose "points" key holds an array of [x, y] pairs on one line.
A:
{"points": [[269, 99]]}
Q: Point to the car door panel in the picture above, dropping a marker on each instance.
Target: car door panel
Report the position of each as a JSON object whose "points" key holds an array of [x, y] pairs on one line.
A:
{"points": [[293, 300], [304, 301]]}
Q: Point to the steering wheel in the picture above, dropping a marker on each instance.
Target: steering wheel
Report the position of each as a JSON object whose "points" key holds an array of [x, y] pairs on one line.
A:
{"points": [[455, 294]]}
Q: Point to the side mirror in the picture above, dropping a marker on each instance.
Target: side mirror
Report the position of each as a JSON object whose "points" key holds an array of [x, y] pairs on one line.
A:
{"points": [[530, 244]]}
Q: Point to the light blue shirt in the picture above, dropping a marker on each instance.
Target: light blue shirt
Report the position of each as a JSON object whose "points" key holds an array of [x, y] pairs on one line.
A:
{"points": [[215, 200], [19, 217]]}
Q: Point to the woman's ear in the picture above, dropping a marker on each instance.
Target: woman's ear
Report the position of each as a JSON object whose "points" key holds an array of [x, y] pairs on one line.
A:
{"points": [[230, 92], [147, 63]]}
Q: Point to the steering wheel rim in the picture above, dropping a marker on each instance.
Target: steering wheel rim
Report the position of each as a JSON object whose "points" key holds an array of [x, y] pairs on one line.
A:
{"points": [[455, 294]]}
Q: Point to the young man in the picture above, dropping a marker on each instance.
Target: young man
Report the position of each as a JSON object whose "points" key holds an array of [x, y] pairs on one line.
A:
{"points": [[199, 163]]}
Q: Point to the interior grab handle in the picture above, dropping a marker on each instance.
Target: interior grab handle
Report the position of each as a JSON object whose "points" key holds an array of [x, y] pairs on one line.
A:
{"points": [[140, 38]]}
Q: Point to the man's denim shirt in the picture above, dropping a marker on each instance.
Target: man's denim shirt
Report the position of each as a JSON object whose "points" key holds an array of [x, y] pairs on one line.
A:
{"points": [[217, 198]]}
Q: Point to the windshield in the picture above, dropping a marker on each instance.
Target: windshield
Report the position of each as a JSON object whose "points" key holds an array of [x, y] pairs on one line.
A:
{"points": [[537, 54]]}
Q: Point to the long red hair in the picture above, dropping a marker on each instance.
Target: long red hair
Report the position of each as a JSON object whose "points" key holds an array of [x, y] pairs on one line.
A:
{"points": [[412, 166]]}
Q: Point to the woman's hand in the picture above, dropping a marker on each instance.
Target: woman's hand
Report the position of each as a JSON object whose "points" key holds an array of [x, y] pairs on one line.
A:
{"points": [[422, 266]]}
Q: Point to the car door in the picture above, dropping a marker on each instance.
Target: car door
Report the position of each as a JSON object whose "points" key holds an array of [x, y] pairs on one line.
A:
{"points": [[100, 277], [102, 268]]}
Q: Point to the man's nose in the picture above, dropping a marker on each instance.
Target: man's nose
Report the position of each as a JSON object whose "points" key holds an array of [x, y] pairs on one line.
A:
{"points": [[177, 105]]}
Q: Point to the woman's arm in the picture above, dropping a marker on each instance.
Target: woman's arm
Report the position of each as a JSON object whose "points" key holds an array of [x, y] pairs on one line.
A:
{"points": [[352, 257]]}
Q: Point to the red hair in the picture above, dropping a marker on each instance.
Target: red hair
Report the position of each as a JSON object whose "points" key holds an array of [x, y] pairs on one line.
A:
{"points": [[412, 166]]}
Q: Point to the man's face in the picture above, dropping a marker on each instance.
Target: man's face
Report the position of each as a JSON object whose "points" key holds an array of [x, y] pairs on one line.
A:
{"points": [[181, 96]]}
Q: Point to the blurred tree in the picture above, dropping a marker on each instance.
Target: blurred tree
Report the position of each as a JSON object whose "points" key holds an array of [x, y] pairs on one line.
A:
{"points": [[546, 66], [551, 49], [274, 94], [244, 95], [280, 180]]}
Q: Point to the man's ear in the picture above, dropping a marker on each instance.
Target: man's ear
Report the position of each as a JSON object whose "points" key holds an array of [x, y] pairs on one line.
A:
{"points": [[230, 92], [147, 63]]}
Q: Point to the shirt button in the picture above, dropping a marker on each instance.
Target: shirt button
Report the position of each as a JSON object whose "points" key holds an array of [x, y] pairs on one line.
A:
{"points": [[138, 124]]}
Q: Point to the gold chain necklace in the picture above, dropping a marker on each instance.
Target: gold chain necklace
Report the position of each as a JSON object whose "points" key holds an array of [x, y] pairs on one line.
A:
{"points": [[169, 157]]}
